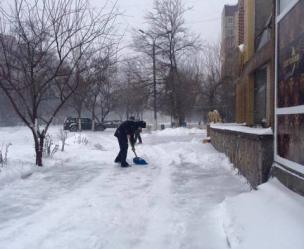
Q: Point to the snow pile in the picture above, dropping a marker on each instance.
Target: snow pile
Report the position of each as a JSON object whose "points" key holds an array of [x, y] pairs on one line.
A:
{"points": [[20, 154], [179, 131], [81, 148], [272, 217], [18, 170], [242, 128]]}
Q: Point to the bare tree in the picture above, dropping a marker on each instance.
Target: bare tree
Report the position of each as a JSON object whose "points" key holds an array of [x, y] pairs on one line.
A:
{"points": [[189, 86], [174, 42], [214, 91], [133, 93], [100, 100], [41, 45], [210, 75], [82, 80]]}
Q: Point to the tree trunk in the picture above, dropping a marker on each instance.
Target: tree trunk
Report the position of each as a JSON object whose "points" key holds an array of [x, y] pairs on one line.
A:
{"points": [[93, 122], [93, 119], [93, 112], [39, 142], [79, 120]]}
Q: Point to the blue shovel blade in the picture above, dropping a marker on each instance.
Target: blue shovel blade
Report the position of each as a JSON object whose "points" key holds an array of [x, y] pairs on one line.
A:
{"points": [[139, 161]]}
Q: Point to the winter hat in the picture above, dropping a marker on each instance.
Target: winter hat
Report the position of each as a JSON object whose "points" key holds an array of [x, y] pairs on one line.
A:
{"points": [[141, 124]]}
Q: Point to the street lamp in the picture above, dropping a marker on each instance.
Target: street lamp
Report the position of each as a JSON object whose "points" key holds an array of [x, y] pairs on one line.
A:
{"points": [[154, 38]]}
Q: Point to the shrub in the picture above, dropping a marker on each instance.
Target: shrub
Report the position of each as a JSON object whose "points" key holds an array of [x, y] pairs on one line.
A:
{"points": [[63, 136], [4, 154], [49, 148]]}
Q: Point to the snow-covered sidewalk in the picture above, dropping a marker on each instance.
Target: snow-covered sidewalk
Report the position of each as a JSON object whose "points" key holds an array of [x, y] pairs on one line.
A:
{"points": [[270, 218], [187, 197]]}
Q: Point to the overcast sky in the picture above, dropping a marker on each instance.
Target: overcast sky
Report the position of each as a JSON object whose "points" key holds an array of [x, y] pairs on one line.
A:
{"points": [[204, 18]]}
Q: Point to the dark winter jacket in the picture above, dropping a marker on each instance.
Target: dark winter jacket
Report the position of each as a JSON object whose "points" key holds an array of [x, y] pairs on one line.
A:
{"points": [[129, 128]]}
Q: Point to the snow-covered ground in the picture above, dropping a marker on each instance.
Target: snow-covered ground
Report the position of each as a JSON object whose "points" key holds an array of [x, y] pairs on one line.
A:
{"points": [[187, 197], [270, 218]]}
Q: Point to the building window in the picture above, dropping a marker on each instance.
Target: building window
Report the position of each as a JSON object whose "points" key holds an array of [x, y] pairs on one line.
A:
{"points": [[230, 19], [290, 87], [291, 59], [230, 32], [290, 137], [260, 96], [284, 4]]}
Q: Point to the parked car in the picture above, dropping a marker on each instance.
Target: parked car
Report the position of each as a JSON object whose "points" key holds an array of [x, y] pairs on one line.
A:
{"points": [[71, 124], [107, 124], [111, 124]]}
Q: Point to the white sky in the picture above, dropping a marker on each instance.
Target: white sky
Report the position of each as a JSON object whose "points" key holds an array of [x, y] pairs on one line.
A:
{"points": [[204, 18]]}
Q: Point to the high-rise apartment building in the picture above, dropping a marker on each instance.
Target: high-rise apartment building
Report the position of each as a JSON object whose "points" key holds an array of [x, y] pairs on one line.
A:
{"points": [[229, 39], [240, 22]]}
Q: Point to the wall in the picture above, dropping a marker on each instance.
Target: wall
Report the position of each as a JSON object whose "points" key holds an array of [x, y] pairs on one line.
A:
{"points": [[251, 154]]}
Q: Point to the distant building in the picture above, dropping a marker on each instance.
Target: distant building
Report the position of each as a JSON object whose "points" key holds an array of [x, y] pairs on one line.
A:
{"points": [[229, 61], [240, 22], [229, 40]]}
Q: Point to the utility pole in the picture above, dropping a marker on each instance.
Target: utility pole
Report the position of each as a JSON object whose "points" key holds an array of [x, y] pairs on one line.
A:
{"points": [[154, 84]]}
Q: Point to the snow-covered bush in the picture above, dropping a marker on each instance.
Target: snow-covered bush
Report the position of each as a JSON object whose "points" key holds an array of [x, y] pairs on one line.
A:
{"points": [[62, 136], [4, 154], [81, 139], [49, 148]]}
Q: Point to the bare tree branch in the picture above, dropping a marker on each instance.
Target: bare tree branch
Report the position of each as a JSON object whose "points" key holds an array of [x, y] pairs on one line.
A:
{"points": [[42, 44]]}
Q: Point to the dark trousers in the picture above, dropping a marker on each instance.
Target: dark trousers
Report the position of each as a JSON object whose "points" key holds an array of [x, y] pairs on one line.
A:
{"points": [[137, 136], [123, 146]]}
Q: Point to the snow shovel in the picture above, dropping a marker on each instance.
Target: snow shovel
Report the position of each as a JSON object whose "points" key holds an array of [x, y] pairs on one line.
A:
{"points": [[138, 160]]}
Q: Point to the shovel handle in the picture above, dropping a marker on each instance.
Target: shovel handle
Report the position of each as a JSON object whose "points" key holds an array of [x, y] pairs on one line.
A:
{"points": [[133, 149], [135, 153]]}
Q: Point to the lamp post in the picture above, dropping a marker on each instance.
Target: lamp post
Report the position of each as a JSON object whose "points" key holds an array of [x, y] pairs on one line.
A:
{"points": [[154, 38]]}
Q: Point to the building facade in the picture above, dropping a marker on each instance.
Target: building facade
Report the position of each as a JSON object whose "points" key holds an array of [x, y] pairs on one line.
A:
{"points": [[289, 104], [254, 90], [269, 93]]}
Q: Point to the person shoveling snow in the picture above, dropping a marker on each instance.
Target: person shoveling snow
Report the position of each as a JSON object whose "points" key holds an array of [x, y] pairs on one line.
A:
{"points": [[125, 132]]}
